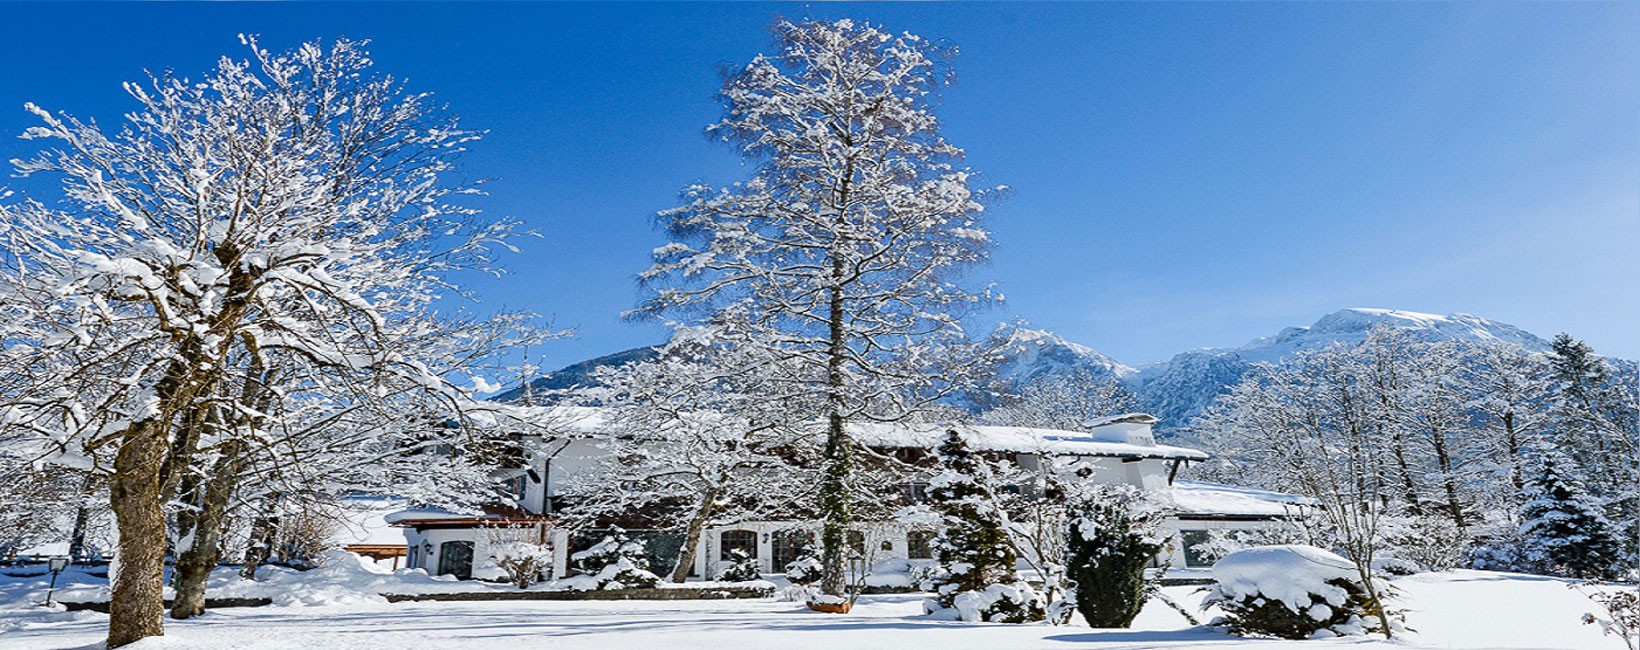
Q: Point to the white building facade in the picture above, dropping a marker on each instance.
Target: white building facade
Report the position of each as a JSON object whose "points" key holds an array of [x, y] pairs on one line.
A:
{"points": [[1115, 450]]}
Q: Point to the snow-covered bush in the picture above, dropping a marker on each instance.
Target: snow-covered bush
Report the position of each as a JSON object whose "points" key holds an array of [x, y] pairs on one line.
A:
{"points": [[1016, 602], [737, 567], [1620, 611], [804, 570], [1427, 542], [1112, 536], [614, 563], [519, 552], [1292, 592]]}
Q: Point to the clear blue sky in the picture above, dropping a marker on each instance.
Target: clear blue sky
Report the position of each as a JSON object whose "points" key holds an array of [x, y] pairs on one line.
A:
{"points": [[1186, 175]]}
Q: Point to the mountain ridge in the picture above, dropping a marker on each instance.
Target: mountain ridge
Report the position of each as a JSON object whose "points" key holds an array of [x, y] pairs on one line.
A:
{"points": [[1176, 389]]}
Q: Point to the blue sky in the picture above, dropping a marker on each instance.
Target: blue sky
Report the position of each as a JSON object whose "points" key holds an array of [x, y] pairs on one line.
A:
{"points": [[1185, 175]]}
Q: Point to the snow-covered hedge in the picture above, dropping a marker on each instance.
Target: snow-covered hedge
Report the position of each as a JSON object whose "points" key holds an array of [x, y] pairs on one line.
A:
{"points": [[805, 570], [738, 567], [1292, 592]]}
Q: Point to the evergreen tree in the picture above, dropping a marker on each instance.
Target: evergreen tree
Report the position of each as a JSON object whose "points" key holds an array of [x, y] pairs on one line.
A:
{"points": [[977, 560], [1596, 418], [1564, 531], [1112, 537]]}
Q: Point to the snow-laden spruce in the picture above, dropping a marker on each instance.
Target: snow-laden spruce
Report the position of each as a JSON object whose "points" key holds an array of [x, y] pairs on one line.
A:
{"points": [[977, 580], [615, 562]]}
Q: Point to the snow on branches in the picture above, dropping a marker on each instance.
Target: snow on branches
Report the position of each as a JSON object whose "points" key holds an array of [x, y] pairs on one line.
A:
{"points": [[253, 256], [844, 249]]}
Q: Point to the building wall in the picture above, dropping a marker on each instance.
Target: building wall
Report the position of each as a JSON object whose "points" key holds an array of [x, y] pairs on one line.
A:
{"points": [[426, 545]]}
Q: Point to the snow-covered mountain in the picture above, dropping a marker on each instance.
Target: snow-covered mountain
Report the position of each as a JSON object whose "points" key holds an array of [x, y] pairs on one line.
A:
{"points": [[1032, 354], [1175, 390], [1351, 325], [571, 376], [1178, 389]]}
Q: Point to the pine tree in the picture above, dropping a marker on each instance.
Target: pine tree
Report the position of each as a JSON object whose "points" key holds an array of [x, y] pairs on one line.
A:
{"points": [[1564, 531], [1596, 418], [977, 561]]}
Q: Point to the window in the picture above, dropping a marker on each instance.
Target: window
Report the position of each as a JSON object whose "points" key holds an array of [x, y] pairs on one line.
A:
{"points": [[914, 493], [730, 540], [456, 559], [515, 487], [1194, 553], [856, 544], [919, 545], [787, 546]]}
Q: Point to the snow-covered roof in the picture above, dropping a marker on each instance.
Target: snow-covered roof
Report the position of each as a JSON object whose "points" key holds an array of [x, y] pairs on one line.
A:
{"points": [[422, 514], [1124, 418], [364, 521], [1206, 500], [1014, 439], [1110, 437]]}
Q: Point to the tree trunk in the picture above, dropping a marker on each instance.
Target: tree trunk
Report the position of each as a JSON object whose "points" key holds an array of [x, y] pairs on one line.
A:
{"points": [[263, 531], [834, 495], [137, 601], [691, 538], [1512, 438], [195, 563], [1443, 459], [82, 518]]}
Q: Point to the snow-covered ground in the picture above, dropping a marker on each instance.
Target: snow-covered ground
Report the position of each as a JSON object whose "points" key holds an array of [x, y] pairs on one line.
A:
{"points": [[1462, 609]]}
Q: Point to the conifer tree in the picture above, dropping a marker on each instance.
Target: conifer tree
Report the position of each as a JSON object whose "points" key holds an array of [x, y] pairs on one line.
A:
{"points": [[1564, 531], [1113, 535], [978, 576], [1597, 422]]}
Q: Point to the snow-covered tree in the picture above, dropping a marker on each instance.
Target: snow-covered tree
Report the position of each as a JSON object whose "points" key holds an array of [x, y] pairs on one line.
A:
{"points": [[1314, 426], [1564, 531], [1113, 534], [846, 243], [1064, 402], [703, 435], [1597, 418], [1508, 393], [292, 209], [977, 576]]}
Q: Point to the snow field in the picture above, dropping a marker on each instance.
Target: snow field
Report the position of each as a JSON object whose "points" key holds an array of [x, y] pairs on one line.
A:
{"points": [[1461, 610]]}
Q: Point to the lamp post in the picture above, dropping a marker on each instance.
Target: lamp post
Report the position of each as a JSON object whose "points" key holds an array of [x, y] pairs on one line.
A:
{"points": [[56, 564]]}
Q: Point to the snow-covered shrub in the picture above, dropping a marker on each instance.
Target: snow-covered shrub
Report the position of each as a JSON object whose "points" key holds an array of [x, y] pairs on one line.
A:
{"points": [[1500, 553], [1113, 534], [1426, 542], [1016, 602], [737, 567], [975, 555], [519, 552], [1620, 611], [804, 570], [614, 563], [1292, 592]]}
